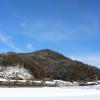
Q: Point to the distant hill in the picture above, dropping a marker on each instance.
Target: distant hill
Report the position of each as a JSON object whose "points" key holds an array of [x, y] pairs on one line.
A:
{"points": [[50, 64]]}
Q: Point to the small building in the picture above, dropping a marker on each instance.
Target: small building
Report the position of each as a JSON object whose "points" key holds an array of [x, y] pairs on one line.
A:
{"points": [[98, 81], [50, 83], [91, 83], [63, 83], [3, 81], [75, 83]]}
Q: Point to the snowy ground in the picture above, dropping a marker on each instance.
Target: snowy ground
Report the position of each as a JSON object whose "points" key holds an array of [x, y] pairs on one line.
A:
{"points": [[53, 93]]}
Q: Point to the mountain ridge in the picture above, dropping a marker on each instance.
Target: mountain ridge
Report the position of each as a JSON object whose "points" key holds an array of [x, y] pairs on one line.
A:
{"points": [[47, 63]]}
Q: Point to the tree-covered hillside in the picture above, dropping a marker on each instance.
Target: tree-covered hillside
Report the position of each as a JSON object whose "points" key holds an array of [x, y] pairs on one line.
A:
{"points": [[50, 64]]}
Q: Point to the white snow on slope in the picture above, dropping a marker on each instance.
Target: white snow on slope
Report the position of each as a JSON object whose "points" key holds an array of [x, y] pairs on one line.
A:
{"points": [[15, 72]]}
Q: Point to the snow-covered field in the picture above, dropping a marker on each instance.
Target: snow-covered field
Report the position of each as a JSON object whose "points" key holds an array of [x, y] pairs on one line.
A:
{"points": [[51, 93]]}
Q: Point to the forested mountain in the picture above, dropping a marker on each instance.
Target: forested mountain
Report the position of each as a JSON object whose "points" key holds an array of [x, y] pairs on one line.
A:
{"points": [[50, 64]]}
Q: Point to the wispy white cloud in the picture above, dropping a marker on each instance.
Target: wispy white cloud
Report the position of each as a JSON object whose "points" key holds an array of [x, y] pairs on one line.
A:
{"points": [[45, 31], [92, 59], [6, 40], [23, 24], [29, 46], [51, 36], [54, 31]]}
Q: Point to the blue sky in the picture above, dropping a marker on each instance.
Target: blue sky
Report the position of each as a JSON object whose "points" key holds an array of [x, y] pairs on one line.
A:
{"points": [[71, 27]]}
